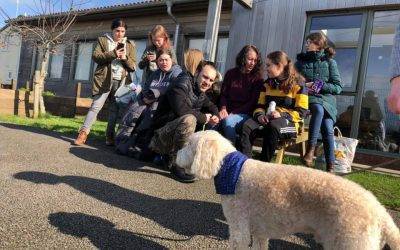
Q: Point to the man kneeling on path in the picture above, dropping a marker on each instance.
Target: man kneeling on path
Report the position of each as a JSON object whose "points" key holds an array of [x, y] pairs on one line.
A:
{"points": [[186, 108]]}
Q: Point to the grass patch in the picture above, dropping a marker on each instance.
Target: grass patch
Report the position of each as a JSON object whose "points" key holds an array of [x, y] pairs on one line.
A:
{"points": [[68, 126], [385, 187]]}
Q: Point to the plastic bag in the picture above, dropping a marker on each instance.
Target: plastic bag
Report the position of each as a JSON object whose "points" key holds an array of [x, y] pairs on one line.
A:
{"points": [[127, 93], [345, 149]]}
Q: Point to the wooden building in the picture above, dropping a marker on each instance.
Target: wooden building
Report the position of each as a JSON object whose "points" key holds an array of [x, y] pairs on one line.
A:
{"points": [[10, 47], [72, 63], [361, 30]]}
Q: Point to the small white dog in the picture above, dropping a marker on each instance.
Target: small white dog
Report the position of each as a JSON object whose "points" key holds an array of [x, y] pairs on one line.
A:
{"points": [[275, 200]]}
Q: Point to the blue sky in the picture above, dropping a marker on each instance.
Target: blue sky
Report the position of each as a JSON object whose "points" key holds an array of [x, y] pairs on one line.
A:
{"points": [[29, 7]]}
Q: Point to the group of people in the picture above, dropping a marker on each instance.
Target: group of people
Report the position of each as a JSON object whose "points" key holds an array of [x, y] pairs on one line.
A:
{"points": [[174, 101]]}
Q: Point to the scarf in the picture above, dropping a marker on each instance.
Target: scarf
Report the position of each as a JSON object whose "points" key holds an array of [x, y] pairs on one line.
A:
{"points": [[226, 179], [117, 68]]}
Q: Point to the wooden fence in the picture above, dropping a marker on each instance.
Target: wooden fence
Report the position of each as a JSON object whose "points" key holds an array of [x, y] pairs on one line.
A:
{"points": [[20, 102]]}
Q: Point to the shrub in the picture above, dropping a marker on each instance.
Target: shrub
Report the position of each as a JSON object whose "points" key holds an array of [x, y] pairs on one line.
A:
{"points": [[48, 93]]}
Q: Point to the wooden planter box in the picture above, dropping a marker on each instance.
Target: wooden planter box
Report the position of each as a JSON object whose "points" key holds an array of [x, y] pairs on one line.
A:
{"points": [[60, 106], [16, 102]]}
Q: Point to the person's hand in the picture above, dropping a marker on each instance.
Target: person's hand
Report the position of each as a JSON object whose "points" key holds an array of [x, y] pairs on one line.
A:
{"points": [[263, 119], [393, 99], [223, 113], [151, 57], [121, 54], [275, 114], [208, 117], [309, 84], [214, 120]]}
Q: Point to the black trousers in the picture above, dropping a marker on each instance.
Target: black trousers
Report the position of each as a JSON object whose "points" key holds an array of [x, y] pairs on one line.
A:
{"points": [[276, 130]]}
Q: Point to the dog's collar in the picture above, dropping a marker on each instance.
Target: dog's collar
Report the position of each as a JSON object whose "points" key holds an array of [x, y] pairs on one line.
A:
{"points": [[227, 177]]}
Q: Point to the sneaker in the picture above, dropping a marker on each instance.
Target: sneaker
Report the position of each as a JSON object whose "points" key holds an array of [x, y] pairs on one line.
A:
{"points": [[81, 139], [135, 153], [180, 175]]}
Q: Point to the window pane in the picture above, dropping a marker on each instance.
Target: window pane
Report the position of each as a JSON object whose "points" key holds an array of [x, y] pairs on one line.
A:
{"points": [[84, 61], [222, 47], [196, 43], [343, 31], [345, 105], [336, 22], [379, 128], [220, 58], [346, 59], [57, 60]]}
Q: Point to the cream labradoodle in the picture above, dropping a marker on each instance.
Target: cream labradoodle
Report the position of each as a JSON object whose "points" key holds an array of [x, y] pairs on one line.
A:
{"points": [[270, 201]]}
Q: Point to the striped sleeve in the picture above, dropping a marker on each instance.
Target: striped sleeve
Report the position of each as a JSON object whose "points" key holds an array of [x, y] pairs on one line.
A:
{"points": [[260, 108], [301, 104]]}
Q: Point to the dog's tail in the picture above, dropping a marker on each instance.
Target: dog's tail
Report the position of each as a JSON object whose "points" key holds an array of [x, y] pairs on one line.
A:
{"points": [[391, 234]]}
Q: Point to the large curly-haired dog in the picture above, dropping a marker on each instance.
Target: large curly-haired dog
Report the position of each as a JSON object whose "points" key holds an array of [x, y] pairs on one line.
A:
{"points": [[275, 200]]}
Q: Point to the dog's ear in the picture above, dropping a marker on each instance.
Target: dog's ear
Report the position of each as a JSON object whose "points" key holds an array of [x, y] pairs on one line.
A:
{"points": [[206, 160]]}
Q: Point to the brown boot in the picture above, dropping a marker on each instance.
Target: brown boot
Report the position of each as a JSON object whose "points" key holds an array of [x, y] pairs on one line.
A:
{"points": [[329, 167], [308, 158], [81, 139]]}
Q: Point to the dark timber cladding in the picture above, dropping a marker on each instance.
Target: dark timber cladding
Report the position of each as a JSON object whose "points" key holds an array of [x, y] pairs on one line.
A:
{"points": [[280, 24]]}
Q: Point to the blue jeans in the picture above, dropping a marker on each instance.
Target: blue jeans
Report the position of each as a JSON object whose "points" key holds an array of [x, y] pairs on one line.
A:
{"points": [[231, 124], [321, 121]]}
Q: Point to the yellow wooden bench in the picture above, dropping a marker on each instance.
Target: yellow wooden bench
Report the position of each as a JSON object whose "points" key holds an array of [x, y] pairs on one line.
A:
{"points": [[300, 140]]}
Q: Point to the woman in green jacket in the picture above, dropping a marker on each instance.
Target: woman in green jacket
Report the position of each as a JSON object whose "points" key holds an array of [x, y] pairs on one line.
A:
{"points": [[323, 79], [115, 56]]}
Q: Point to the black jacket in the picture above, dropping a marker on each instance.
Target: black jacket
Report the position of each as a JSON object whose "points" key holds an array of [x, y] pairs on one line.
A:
{"points": [[183, 97]]}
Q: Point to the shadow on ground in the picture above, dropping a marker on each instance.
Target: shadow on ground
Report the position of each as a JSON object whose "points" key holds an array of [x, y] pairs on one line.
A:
{"points": [[185, 217], [41, 131], [110, 159], [101, 232]]}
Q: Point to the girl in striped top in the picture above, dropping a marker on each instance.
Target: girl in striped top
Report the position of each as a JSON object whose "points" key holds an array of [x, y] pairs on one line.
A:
{"points": [[285, 88]]}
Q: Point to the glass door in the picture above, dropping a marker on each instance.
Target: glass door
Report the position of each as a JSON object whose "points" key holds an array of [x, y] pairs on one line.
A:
{"points": [[379, 128]]}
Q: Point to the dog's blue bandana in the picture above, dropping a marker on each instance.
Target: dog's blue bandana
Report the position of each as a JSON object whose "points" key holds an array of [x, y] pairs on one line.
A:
{"points": [[227, 177]]}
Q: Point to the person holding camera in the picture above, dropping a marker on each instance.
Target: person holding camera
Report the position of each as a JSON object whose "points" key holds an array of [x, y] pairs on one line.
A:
{"points": [[115, 56], [282, 104], [158, 40]]}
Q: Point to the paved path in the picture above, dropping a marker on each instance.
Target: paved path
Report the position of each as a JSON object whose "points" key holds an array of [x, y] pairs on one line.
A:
{"points": [[56, 195]]}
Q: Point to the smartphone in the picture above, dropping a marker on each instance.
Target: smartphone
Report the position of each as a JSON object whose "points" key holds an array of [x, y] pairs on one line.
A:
{"points": [[120, 46]]}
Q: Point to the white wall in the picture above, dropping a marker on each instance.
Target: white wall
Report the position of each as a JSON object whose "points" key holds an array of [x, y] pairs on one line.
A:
{"points": [[10, 48]]}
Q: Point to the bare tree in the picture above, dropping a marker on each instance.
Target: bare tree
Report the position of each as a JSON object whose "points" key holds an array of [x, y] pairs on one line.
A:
{"points": [[45, 30]]}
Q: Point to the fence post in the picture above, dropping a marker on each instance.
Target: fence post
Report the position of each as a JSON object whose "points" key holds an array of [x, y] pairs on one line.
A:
{"points": [[78, 89], [28, 86], [78, 94], [13, 84]]}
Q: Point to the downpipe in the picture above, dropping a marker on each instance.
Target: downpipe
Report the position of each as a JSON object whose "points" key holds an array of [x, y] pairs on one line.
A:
{"points": [[169, 10]]}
